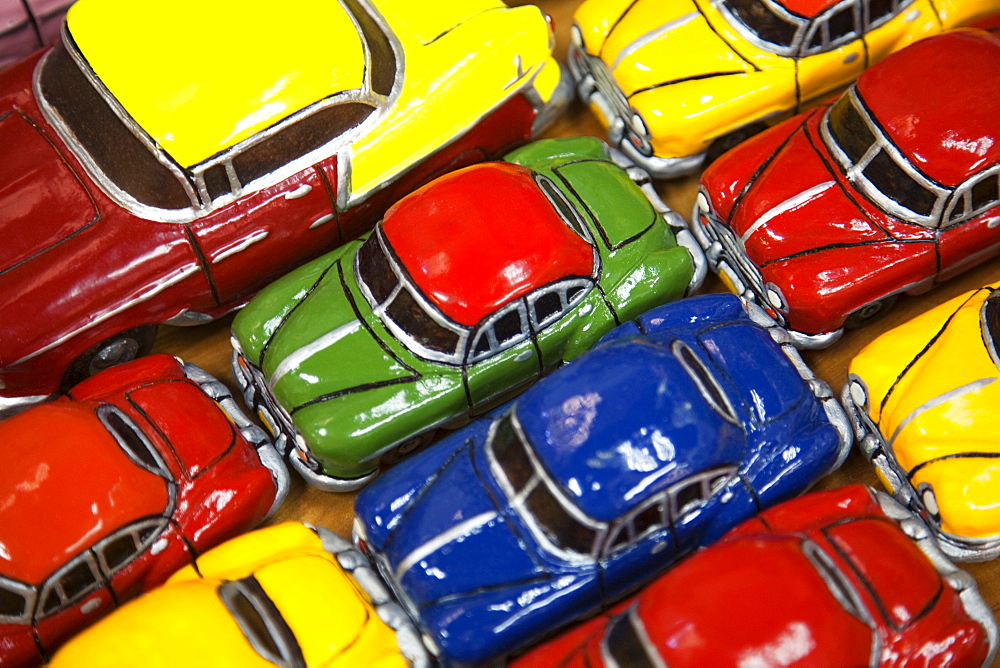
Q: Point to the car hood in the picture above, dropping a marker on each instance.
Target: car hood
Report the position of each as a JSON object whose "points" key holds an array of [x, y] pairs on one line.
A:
{"points": [[455, 540], [42, 200], [327, 346], [632, 47], [796, 205]]}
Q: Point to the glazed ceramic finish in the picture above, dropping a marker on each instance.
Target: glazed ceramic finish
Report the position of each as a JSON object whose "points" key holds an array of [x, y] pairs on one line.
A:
{"points": [[896, 186], [669, 80], [677, 427], [827, 579], [922, 398], [469, 290], [287, 595], [28, 25], [133, 474], [164, 216]]}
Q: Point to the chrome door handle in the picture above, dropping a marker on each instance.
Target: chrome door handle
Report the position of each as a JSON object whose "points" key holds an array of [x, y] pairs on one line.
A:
{"points": [[303, 190]]}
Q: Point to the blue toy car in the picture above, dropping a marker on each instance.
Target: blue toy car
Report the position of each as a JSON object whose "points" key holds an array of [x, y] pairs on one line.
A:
{"points": [[675, 428]]}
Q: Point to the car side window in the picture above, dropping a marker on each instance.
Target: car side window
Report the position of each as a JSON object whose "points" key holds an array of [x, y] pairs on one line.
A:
{"points": [[551, 302], [835, 28], [648, 519], [690, 494], [120, 548], [627, 642], [975, 197], [17, 601], [132, 440], [504, 329], [70, 583], [261, 622]]}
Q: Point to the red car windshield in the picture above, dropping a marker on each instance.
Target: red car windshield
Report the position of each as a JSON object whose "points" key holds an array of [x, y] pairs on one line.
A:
{"points": [[876, 166]]}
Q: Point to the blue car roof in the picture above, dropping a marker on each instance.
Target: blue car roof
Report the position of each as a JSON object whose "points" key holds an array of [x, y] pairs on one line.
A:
{"points": [[618, 425]]}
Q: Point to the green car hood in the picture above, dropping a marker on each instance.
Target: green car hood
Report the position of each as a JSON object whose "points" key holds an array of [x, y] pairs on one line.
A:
{"points": [[681, 44], [325, 346]]}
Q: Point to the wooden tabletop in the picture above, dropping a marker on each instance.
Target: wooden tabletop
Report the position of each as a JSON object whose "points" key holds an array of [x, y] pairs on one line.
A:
{"points": [[209, 347]]}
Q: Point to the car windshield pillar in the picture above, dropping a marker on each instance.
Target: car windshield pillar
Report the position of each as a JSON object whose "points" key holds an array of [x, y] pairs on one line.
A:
{"points": [[405, 312], [870, 160], [553, 520]]}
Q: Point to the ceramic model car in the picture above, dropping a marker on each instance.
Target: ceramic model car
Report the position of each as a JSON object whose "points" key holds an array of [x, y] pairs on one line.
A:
{"points": [[678, 82], [826, 218], [468, 290], [27, 25], [923, 400], [287, 595], [828, 579], [107, 490], [681, 425], [161, 170]]}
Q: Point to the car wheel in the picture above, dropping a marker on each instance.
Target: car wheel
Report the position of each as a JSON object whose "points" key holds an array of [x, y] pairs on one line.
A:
{"points": [[123, 347], [870, 312], [726, 142], [407, 447]]}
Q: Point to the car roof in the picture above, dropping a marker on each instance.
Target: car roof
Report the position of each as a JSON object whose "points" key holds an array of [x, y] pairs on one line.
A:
{"points": [[622, 423], [67, 484], [807, 8], [475, 239], [931, 99], [200, 76]]}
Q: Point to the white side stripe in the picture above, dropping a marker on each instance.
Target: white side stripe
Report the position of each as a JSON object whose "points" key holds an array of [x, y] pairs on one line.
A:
{"points": [[787, 205], [442, 539], [293, 361]]}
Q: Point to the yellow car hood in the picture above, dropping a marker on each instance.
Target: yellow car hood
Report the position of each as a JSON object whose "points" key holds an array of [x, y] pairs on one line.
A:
{"points": [[659, 43]]}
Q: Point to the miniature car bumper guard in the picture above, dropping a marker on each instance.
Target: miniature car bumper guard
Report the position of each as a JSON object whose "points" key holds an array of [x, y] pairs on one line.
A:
{"points": [[724, 253], [266, 451], [287, 440], [920, 501], [597, 88], [834, 411]]}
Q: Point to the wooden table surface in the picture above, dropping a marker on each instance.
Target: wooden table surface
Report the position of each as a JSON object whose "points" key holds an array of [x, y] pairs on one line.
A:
{"points": [[209, 347]]}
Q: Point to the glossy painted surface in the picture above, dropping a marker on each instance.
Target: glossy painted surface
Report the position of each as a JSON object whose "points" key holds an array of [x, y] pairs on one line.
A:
{"points": [[28, 25], [895, 187], [316, 602], [670, 78], [680, 425], [923, 398], [348, 369], [109, 489], [237, 178], [825, 580]]}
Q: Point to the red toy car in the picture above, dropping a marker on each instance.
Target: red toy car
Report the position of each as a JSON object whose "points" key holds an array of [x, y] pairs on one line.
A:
{"points": [[108, 490], [823, 580], [824, 219], [128, 201]]}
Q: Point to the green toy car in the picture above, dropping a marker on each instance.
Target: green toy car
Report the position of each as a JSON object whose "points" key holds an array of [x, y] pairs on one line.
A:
{"points": [[470, 289]]}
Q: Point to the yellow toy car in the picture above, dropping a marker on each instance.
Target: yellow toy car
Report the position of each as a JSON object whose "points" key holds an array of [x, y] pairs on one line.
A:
{"points": [[288, 595], [923, 400], [678, 82]]}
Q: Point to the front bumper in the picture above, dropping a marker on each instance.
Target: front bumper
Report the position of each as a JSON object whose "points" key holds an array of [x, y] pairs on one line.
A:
{"points": [[921, 502], [287, 439], [267, 453], [834, 411], [597, 88], [725, 255]]}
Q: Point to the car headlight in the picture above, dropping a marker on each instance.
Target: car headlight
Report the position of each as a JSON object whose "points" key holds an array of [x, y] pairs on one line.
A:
{"points": [[775, 297], [576, 36], [639, 134], [858, 392], [701, 204]]}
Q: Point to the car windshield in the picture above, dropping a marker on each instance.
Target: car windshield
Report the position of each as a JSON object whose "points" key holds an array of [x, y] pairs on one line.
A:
{"points": [[404, 311], [766, 21], [550, 517], [627, 642], [107, 142], [876, 166]]}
